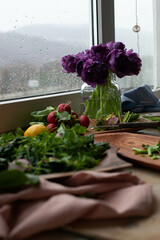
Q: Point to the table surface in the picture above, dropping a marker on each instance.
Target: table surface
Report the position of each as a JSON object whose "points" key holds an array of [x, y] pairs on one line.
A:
{"points": [[136, 228]]}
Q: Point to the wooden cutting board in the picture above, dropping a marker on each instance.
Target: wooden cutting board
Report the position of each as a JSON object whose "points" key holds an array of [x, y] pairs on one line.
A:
{"points": [[126, 141]]}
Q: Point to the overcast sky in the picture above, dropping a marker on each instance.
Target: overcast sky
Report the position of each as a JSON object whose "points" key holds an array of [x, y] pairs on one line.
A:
{"points": [[17, 13]]}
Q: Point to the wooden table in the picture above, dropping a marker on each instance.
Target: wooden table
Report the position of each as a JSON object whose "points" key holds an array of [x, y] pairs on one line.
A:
{"points": [[138, 228]]}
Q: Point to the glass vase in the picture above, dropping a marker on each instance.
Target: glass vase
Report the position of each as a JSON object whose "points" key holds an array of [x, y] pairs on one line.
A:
{"points": [[101, 101]]}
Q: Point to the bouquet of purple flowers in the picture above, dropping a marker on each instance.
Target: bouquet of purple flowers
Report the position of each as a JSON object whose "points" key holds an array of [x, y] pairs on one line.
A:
{"points": [[93, 65], [96, 65]]}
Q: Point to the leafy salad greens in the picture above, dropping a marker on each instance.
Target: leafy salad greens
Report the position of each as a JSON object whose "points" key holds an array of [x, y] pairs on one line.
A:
{"points": [[67, 149]]}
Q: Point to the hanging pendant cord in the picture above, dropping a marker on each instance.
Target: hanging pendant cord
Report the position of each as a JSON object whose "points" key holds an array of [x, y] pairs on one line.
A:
{"points": [[138, 28]]}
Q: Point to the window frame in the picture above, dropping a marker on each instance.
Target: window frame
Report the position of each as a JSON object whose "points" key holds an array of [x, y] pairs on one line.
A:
{"points": [[16, 113], [156, 21], [105, 21]]}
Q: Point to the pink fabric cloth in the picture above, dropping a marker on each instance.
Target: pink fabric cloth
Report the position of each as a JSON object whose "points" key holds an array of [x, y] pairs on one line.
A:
{"points": [[53, 205]]}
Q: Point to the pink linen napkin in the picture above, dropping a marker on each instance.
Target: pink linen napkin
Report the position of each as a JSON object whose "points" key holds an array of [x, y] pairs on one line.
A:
{"points": [[85, 195]]}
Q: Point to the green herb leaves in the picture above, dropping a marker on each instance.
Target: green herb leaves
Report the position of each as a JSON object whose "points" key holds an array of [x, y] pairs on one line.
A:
{"points": [[66, 150]]}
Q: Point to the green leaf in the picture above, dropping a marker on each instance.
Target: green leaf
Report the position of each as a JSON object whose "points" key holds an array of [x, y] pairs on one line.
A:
{"points": [[63, 116], [6, 137], [42, 113], [79, 129], [13, 179], [41, 116], [62, 129], [19, 132]]}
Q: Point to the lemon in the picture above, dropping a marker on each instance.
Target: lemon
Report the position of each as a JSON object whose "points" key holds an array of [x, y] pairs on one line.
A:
{"points": [[34, 130]]}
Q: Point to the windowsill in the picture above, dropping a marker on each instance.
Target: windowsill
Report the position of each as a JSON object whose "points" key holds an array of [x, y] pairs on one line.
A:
{"points": [[34, 98], [17, 113]]}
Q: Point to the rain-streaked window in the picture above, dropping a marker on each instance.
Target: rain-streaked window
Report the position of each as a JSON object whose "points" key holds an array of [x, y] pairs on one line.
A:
{"points": [[34, 36]]}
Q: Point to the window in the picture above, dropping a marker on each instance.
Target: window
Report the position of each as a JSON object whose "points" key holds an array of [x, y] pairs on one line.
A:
{"points": [[34, 36]]}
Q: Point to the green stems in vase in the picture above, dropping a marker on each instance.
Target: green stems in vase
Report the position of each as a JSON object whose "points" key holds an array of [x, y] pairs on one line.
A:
{"points": [[104, 100]]}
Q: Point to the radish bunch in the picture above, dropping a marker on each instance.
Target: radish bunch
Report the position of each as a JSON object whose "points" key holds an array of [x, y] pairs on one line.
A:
{"points": [[65, 114]]}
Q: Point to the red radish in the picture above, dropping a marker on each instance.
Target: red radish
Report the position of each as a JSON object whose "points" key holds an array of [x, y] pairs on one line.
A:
{"points": [[84, 121], [74, 114], [52, 127], [52, 118], [64, 107]]}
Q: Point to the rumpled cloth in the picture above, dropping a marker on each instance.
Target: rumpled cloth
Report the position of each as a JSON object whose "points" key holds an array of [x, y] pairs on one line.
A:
{"points": [[140, 99], [85, 195]]}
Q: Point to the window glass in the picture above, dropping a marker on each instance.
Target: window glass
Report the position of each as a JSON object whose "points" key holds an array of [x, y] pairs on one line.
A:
{"points": [[34, 36], [128, 13]]}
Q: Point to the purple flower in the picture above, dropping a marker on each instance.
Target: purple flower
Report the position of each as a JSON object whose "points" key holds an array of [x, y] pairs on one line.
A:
{"points": [[94, 72], [81, 58], [119, 63], [69, 63], [79, 67], [115, 45], [135, 62], [99, 52], [124, 63], [93, 64], [81, 55]]}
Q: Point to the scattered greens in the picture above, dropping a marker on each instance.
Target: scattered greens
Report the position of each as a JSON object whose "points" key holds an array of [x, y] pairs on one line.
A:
{"points": [[130, 117], [67, 149], [151, 151]]}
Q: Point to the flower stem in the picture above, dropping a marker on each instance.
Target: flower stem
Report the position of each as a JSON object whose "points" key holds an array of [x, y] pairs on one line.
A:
{"points": [[101, 99], [104, 100]]}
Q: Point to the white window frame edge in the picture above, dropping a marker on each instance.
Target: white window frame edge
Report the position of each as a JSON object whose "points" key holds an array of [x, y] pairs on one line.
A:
{"points": [[16, 113], [156, 22]]}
